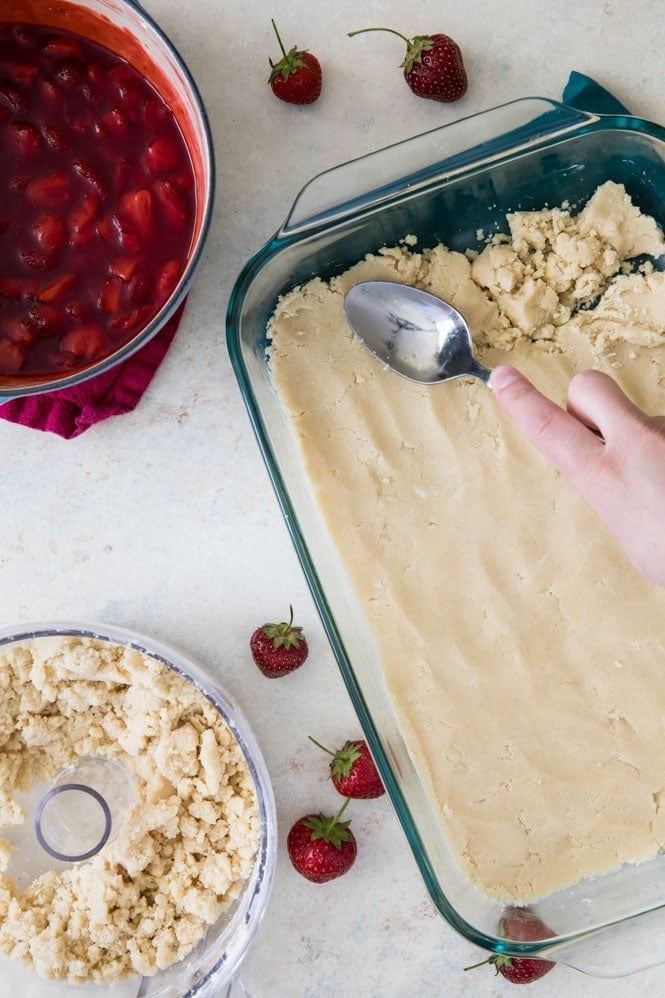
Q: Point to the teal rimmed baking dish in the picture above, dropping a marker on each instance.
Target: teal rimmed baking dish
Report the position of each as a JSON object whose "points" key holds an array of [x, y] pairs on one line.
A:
{"points": [[453, 185]]}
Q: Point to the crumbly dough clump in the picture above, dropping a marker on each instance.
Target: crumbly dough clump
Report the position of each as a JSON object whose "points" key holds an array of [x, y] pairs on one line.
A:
{"points": [[187, 844], [523, 655]]}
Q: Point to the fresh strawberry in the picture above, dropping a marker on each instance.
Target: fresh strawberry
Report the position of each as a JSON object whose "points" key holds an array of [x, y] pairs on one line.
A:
{"points": [[297, 77], [322, 848], [279, 648], [433, 65], [520, 925], [352, 770]]}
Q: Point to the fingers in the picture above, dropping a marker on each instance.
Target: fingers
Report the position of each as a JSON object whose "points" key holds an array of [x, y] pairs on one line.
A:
{"points": [[597, 401], [568, 443]]}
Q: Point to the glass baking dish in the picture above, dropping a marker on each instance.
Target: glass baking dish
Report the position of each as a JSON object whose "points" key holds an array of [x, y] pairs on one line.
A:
{"points": [[448, 185]]}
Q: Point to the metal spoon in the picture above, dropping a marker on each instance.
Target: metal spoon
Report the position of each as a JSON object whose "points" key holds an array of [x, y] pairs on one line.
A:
{"points": [[415, 333]]}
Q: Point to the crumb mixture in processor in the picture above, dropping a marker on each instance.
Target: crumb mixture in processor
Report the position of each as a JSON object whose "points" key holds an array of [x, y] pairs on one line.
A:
{"points": [[187, 843], [533, 709]]}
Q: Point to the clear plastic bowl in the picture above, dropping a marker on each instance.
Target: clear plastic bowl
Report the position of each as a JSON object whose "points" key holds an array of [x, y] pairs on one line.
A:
{"points": [[124, 28], [445, 186], [211, 970]]}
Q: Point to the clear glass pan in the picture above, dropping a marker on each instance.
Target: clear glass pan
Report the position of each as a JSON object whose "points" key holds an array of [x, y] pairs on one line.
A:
{"points": [[444, 186], [212, 967]]}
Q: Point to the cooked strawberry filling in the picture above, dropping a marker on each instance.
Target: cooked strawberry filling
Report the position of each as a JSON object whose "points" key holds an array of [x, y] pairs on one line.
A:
{"points": [[97, 201]]}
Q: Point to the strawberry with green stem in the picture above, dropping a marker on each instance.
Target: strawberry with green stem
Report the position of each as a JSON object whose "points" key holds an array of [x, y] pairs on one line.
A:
{"points": [[322, 847], [352, 770], [278, 649], [521, 925], [297, 77], [433, 65]]}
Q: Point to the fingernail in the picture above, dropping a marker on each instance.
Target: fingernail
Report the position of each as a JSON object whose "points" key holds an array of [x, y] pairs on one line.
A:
{"points": [[503, 376]]}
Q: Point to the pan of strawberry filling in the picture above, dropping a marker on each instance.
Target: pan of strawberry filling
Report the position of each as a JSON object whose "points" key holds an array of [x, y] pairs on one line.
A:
{"points": [[104, 195]]}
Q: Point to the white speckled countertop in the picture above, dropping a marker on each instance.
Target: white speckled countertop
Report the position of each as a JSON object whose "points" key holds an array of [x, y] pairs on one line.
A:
{"points": [[164, 520]]}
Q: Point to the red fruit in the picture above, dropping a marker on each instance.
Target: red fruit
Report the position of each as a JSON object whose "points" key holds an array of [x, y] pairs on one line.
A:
{"points": [[19, 332], [433, 66], [131, 320], [113, 122], [124, 267], [87, 172], [54, 137], [43, 320], [140, 286], [50, 232], [136, 208], [12, 357], [58, 289], [26, 139], [85, 342], [55, 189], [161, 156], [520, 925], [322, 848], [69, 72], [82, 216], [352, 770], [36, 260], [14, 98], [168, 279], [297, 77], [155, 112], [16, 288], [63, 46], [171, 203], [110, 297], [20, 69], [278, 648]]}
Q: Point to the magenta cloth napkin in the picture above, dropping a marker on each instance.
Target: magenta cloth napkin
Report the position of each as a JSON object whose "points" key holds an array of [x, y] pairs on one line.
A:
{"points": [[70, 411]]}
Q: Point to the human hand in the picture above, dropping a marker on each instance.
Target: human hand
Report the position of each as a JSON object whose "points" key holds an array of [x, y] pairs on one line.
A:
{"points": [[609, 450]]}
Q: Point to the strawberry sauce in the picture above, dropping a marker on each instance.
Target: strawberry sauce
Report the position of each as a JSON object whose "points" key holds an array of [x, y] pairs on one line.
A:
{"points": [[97, 201]]}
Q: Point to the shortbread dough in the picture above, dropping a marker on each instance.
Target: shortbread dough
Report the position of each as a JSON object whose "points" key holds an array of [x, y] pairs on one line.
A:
{"points": [[524, 656], [188, 842]]}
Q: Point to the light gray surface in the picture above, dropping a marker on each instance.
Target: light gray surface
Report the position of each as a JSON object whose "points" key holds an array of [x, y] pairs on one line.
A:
{"points": [[164, 520]]}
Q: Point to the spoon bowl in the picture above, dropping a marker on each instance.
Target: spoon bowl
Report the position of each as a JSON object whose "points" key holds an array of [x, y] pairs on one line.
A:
{"points": [[418, 335]]}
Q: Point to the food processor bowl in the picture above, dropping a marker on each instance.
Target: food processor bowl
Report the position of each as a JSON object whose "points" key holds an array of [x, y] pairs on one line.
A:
{"points": [[72, 819]]}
